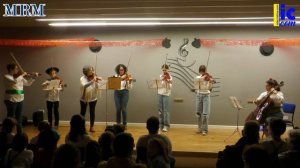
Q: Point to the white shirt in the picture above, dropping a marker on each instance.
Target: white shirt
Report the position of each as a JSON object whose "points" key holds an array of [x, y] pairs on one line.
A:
{"points": [[166, 89], [276, 97], [12, 83], [90, 89], [124, 83], [205, 86], [23, 159], [53, 94]]}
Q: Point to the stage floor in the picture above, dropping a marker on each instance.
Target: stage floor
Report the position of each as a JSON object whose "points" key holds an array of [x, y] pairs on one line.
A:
{"points": [[183, 139]]}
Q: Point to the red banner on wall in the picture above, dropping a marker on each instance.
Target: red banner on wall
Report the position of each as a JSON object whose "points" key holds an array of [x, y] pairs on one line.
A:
{"points": [[79, 43]]}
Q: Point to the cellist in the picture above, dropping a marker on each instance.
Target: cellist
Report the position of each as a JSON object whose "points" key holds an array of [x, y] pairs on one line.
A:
{"points": [[276, 98], [14, 94]]}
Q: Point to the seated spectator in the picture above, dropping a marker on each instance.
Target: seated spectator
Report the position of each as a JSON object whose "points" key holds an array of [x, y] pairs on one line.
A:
{"points": [[142, 143], [66, 156], [231, 156], [47, 145], [43, 125], [18, 155], [274, 144], [157, 154], [106, 145], [78, 135], [123, 148], [290, 158], [6, 136], [255, 156], [92, 154]]}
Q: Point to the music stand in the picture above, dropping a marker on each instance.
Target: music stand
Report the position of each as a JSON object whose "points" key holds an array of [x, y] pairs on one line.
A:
{"points": [[155, 84], [236, 104], [112, 83]]}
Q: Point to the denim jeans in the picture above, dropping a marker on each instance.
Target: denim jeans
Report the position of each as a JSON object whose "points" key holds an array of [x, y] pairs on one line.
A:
{"points": [[121, 100], [163, 111], [14, 110], [203, 111]]}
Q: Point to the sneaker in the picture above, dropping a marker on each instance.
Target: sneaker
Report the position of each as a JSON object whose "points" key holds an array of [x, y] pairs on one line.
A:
{"points": [[165, 129], [204, 133], [198, 115]]}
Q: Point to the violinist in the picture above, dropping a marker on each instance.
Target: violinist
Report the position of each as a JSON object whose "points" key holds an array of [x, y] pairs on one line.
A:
{"points": [[275, 100], [163, 98], [52, 95], [203, 99], [90, 89], [14, 94], [121, 96]]}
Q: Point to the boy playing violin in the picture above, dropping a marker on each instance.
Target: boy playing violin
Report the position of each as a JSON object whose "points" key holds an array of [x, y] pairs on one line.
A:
{"points": [[163, 98], [203, 99]]}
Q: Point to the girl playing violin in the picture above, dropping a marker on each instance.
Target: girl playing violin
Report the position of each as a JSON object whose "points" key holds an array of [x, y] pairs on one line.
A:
{"points": [[52, 96], [203, 99], [163, 98], [121, 96], [14, 94], [89, 86]]}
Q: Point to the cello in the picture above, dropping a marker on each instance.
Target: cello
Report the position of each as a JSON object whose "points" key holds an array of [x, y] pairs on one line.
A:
{"points": [[259, 113]]}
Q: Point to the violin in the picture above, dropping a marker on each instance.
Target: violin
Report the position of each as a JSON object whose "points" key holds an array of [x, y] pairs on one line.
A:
{"points": [[61, 81], [167, 76], [208, 77], [127, 77], [94, 77]]}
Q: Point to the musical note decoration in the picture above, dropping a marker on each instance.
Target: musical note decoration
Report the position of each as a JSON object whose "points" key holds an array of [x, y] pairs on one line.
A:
{"points": [[166, 43], [185, 73]]}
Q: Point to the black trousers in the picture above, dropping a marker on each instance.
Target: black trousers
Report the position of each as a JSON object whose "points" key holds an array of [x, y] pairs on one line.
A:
{"points": [[53, 106], [14, 109], [83, 107]]}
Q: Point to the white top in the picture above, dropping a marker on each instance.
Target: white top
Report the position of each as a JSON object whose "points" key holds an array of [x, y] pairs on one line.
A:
{"points": [[277, 97], [124, 83], [205, 86], [90, 89], [12, 83], [51, 95], [167, 86]]}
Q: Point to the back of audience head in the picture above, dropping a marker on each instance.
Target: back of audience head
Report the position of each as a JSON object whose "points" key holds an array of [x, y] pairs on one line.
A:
{"points": [[8, 125], [123, 145], [92, 154], [20, 142], [77, 127], [294, 139], [157, 147], [48, 139], [43, 125], [153, 125], [106, 139], [66, 156], [277, 127], [255, 156], [119, 128], [251, 130]]}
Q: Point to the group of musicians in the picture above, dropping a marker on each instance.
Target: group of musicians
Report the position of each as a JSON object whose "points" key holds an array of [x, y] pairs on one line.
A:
{"points": [[90, 87]]}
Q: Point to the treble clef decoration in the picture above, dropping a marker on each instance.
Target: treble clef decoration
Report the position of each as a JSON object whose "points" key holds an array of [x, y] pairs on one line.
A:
{"points": [[183, 52]]}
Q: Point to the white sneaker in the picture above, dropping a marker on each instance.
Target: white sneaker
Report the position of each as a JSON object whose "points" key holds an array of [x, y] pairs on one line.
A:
{"points": [[204, 133], [165, 129]]}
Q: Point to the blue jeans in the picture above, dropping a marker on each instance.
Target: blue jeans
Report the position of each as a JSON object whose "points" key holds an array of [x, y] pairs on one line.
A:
{"points": [[163, 111], [121, 100], [203, 111], [14, 110]]}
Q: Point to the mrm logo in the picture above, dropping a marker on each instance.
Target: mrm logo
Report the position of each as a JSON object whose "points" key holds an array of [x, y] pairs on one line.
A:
{"points": [[24, 10], [284, 16]]}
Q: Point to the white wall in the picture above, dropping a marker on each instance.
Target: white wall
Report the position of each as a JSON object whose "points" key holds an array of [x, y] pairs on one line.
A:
{"points": [[242, 69]]}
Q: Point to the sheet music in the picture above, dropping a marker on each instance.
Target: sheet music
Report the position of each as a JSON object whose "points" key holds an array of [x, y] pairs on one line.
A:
{"points": [[53, 84], [235, 102], [155, 84]]}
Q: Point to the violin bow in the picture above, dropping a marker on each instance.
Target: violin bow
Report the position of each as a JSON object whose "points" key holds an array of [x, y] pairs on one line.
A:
{"points": [[207, 60], [16, 62]]}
